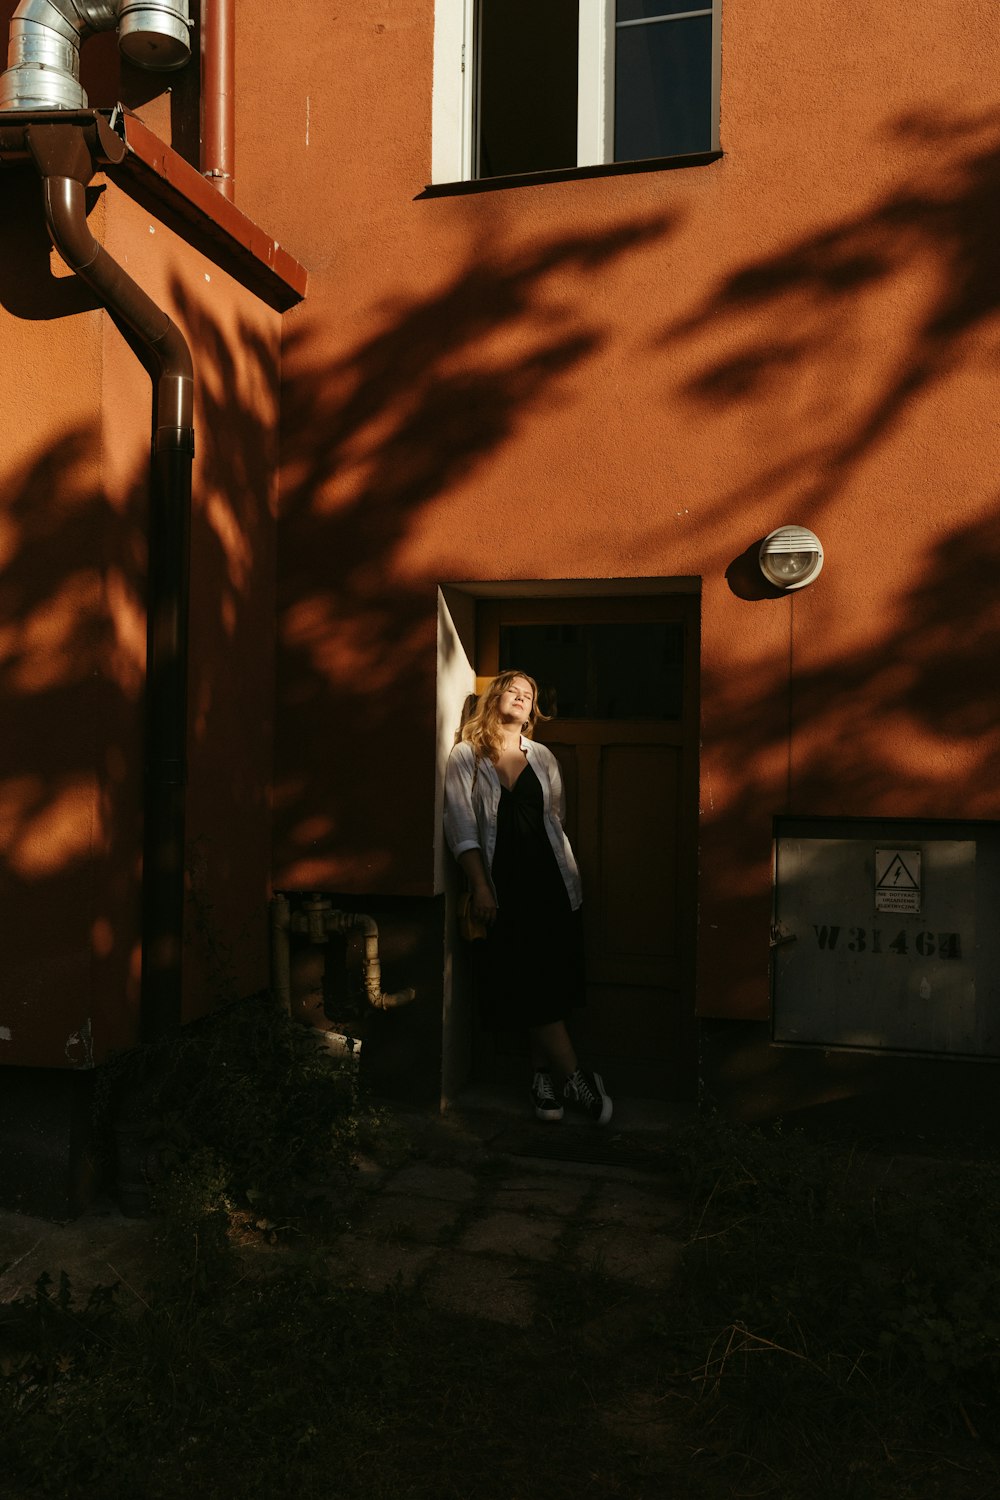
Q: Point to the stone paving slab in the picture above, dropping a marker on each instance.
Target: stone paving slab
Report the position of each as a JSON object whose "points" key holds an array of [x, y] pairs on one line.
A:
{"points": [[102, 1246], [581, 1159], [428, 1181], [640, 1258], [396, 1216], [479, 1287], [367, 1263], [625, 1203], [644, 1424], [470, 1220], [501, 1233], [624, 1322], [368, 1175], [542, 1192]]}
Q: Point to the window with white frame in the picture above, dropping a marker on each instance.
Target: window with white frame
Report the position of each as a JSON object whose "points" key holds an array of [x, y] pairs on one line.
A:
{"points": [[542, 85]]}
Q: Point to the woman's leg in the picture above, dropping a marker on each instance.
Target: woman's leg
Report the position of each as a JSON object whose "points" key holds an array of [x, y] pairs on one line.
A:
{"points": [[552, 1049]]}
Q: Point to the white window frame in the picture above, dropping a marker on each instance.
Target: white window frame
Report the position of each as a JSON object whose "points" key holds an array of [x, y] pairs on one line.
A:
{"points": [[452, 135]]}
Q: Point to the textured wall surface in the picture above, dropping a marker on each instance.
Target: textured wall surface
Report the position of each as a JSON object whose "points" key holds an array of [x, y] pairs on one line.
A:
{"points": [[73, 524], [642, 374], [635, 375]]}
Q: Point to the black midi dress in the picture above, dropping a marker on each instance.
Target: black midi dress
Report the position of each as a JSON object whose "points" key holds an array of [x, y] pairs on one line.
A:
{"points": [[529, 970]]}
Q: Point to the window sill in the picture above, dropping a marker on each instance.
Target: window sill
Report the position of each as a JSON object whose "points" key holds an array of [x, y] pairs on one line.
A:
{"points": [[567, 174]]}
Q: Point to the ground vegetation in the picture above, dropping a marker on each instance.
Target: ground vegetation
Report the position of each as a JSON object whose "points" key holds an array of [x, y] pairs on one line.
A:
{"points": [[831, 1329]]}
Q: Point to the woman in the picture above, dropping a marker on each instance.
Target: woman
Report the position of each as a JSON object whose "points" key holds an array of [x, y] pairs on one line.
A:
{"points": [[503, 822]]}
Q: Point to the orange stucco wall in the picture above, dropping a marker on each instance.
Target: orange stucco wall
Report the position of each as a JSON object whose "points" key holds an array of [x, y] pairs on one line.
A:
{"points": [[640, 375], [627, 376], [73, 510]]}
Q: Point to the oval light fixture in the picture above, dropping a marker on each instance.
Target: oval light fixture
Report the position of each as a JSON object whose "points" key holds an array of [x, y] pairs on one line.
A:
{"points": [[791, 557]]}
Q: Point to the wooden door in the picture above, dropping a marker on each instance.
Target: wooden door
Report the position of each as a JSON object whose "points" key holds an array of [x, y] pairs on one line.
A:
{"points": [[620, 677]]}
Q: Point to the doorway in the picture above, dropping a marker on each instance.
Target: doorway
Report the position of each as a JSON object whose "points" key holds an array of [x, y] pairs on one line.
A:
{"points": [[619, 677]]}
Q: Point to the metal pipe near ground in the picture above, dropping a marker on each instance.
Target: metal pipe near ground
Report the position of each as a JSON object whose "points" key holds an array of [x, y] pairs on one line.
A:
{"points": [[315, 920]]}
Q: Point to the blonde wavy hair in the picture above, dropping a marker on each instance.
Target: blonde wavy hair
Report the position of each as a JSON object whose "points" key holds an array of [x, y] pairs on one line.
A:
{"points": [[482, 728]]}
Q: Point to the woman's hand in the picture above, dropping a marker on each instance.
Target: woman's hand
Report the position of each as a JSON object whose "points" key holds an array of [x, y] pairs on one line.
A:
{"points": [[484, 906], [481, 898]]}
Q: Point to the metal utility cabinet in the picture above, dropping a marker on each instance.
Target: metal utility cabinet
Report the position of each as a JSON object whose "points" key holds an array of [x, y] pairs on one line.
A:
{"points": [[885, 936]]}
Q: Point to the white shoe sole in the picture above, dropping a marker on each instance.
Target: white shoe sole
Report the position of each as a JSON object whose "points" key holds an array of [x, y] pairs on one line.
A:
{"points": [[607, 1104]]}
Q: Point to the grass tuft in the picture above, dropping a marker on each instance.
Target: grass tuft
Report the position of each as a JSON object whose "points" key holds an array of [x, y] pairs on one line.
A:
{"points": [[835, 1311]]}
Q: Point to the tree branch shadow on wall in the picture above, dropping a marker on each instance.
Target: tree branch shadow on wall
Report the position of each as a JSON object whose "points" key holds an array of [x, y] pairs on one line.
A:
{"points": [[370, 440], [69, 794], [72, 666], [406, 420], [786, 322], [387, 428], [829, 346], [374, 436], [922, 710], [842, 332]]}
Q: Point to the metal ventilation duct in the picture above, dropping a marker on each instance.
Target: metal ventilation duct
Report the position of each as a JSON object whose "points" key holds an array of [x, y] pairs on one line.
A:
{"points": [[154, 35], [43, 55]]}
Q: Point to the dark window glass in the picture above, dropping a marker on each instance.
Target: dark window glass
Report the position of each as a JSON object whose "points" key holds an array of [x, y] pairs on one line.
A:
{"points": [[527, 85], [663, 89], [632, 671], [638, 10]]}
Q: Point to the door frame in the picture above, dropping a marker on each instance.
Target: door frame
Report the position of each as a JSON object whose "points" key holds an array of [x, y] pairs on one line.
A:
{"points": [[601, 593]]}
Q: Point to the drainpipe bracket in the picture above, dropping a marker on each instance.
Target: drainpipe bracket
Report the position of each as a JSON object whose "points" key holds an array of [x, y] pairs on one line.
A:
{"points": [[174, 439]]}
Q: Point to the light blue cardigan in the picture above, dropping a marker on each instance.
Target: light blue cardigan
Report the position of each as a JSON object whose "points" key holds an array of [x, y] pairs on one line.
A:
{"points": [[472, 796]]}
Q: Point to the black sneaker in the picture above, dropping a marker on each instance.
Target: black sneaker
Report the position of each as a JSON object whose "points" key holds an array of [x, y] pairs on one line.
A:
{"points": [[585, 1092], [543, 1096]]}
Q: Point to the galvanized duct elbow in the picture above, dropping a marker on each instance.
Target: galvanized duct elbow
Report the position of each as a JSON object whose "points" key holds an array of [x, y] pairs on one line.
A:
{"points": [[43, 55]]}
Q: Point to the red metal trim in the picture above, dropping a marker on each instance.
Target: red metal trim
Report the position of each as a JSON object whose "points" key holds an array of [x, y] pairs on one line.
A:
{"points": [[154, 175], [187, 201]]}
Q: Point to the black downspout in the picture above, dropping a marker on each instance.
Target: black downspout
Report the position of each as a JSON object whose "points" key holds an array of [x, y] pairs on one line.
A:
{"points": [[64, 160]]}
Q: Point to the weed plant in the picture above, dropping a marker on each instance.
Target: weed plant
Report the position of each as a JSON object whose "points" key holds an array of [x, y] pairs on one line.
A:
{"points": [[291, 1383], [836, 1310], [248, 1100]]}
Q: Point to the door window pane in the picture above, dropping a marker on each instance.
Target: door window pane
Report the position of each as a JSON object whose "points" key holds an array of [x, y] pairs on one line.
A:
{"points": [[527, 85], [663, 89], [616, 671]]}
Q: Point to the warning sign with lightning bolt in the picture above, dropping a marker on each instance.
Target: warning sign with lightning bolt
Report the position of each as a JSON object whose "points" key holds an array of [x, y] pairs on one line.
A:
{"points": [[897, 880]]}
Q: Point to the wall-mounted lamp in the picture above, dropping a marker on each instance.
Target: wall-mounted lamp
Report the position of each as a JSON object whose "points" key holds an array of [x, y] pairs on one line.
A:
{"points": [[791, 557]]}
